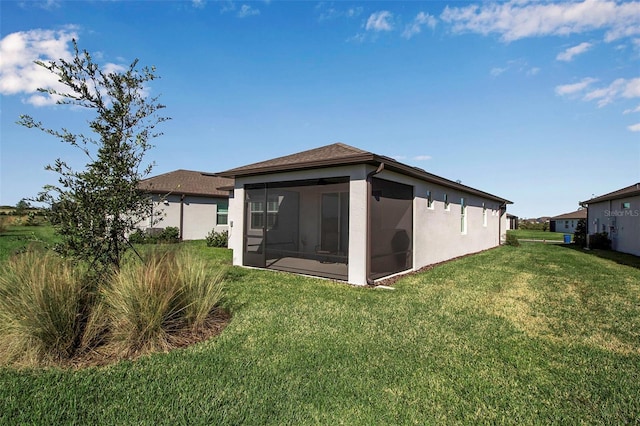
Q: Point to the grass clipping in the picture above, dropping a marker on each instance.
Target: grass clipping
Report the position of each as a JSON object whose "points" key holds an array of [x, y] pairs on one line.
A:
{"points": [[53, 313]]}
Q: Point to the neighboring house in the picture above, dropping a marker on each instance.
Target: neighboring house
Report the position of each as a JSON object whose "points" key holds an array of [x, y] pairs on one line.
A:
{"points": [[567, 222], [190, 201], [512, 221], [343, 213], [618, 215]]}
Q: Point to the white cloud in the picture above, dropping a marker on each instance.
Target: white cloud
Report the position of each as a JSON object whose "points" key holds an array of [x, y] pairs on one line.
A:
{"points": [[569, 53], [634, 127], [422, 157], [517, 65], [199, 4], [19, 73], [631, 111], [380, 21], [570, 89], [497, 71], [619, 88], [422, 19], [246, 10], [327, 14], [518, 19]]}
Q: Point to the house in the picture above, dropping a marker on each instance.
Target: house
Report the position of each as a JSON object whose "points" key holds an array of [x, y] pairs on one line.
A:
{"points": [[618, 215], [343, 213], [512, 221], [567, 222], [191, 201]]}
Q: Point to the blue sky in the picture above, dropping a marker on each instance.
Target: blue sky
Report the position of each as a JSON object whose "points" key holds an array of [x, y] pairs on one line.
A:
{"points": [[534, 101]]}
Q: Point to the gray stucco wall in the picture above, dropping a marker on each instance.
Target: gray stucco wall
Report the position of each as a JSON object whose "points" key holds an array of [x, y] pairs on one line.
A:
{"points": [[199, 215], [621, 224], [437, 234]]}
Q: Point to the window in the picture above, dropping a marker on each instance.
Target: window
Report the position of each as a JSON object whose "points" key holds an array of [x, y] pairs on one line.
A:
{"points": [[222, 214], [257, 213], [446, 202], [484, 214], [626, 205], [429, 200], [463, 217]]}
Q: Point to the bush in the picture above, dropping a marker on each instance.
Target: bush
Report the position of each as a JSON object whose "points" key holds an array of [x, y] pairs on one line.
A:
{"points": [[168, 235], [138, 237], [44, 301], [600, 241], [512, 240], [4, 224], [580, 235], [55, 312], [218, 239]]}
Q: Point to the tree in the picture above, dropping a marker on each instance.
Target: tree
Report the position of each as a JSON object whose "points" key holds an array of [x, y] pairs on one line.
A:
{"points": [[97, 207], [21, 207], [580, 234]]}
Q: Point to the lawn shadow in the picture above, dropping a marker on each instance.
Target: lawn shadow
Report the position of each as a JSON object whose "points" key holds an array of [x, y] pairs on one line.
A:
{"points": [[618, 257]]}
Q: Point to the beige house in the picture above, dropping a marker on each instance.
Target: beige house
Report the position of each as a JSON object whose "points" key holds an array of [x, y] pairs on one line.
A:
{"points": [[343, 213], [618, 215], [191, 201]]}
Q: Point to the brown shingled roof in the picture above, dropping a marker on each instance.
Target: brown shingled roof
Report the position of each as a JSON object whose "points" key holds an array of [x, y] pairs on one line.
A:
{"points": [[339, 154], [578, 214], [187, 182], [629, 191], [323, 156]]}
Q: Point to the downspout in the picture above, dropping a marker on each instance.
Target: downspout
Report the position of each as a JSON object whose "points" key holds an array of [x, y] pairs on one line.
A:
{"points": [[502, 206], [369, 195], [181, 215]]}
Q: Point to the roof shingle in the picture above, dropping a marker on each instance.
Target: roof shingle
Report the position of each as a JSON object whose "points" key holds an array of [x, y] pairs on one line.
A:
{"points": [[629, 191], [187, 182], [339, 154]]}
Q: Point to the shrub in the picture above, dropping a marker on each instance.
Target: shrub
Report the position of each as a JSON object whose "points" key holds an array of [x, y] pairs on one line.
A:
{"points": [[138, 237], [600, 241], [512, 240], [168, 235], [4, 222], [218, 239], [32, 219], [580, 235], [44, 301]]}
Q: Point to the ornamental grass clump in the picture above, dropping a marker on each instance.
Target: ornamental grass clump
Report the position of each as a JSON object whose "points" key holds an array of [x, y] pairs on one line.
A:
{"points": [[143, 303], [152, 304], [202, 289], [44, 303]]}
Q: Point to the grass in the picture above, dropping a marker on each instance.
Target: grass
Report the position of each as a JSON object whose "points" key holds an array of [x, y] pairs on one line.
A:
{"points": [[533, 234], [533, 334], [17, 238], [55, 313]]}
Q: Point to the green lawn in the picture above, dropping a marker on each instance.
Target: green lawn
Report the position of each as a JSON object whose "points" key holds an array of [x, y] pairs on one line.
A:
{"points": [[532, 234], [530, 334], [18, 237]]}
